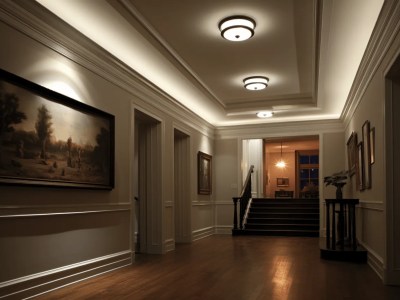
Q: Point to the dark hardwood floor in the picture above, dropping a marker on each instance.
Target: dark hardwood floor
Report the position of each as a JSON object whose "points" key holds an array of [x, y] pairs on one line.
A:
{"points": [[242, 267]]}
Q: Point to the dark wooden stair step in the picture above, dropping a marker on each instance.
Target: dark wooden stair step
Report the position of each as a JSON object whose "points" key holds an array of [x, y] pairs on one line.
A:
{"points": [[291, 215], [284, 209], [282, 226], [283, 217], [308, 233], [270, 220]]}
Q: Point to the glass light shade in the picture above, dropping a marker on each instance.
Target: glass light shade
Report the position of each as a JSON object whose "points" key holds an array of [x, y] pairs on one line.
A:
{"points": [[237, 28], [256, 83], [265, 114], [280, 164]]}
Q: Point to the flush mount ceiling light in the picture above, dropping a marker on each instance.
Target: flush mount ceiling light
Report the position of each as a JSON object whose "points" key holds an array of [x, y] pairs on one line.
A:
{"points": [[265, 114], [237, 28], [256, 83]]}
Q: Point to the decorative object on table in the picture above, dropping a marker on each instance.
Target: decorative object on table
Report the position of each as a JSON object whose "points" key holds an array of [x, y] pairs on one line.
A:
{"points": [[366, 132], [204, 173], [48, 139], [338, 180]]}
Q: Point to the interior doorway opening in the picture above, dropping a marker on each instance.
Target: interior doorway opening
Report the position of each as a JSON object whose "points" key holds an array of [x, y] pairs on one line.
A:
{"points": [[392, 146], [147, 184]]}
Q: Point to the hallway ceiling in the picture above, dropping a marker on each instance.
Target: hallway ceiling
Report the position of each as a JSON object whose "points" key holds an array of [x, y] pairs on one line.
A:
{"points": [[310, 50]]}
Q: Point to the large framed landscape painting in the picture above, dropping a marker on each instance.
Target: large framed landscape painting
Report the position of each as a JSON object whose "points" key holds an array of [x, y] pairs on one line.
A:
{"points": [[48, 139]]}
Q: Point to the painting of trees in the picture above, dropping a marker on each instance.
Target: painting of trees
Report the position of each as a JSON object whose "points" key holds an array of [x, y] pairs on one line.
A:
{"points": [[43, 128], [9, 114], [49, 139]]}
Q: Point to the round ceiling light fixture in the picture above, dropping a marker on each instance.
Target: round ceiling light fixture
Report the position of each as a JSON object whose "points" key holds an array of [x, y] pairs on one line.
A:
{"points": [[256, 83], [237, 28], [265, 114]]}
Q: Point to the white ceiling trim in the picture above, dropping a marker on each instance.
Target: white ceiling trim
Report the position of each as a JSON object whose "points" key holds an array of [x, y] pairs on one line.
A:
{"points": [[179, 60]]}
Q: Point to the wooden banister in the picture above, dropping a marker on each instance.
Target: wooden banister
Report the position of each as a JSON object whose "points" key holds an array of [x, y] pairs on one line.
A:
{"points": [[243, 200]]}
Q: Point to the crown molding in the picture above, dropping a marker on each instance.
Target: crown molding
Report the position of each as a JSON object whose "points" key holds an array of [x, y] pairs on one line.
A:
{"points": [[39, 24], [167, 50], [385, 31], [279, 129]]}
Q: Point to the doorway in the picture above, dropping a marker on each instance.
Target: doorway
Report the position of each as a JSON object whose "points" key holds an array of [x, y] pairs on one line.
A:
{"points": [[392, 146], [147, 184], [182, 200]]}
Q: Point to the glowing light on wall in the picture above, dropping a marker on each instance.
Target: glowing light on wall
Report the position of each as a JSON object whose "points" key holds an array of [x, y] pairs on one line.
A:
{"points": [[281, 163]]}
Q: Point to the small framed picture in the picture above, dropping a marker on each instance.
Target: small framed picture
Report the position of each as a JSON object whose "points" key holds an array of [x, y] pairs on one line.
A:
{"points": [[204, 162], [352, 153], [282, 181], [367, 154], [372, 144], [360, 167]]}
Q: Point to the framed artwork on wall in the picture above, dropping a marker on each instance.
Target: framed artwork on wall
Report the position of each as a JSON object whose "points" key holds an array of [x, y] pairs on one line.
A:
{"points": [[352, 153], [367, 154], [360, 167], [204, 165], [280, 182], [372, 144], [49, 139]]}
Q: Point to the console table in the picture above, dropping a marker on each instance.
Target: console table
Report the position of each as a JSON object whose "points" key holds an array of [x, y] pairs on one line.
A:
{"points": [[341, 239]]}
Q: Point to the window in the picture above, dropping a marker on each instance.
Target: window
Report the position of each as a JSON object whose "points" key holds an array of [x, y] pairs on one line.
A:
{"points": [[307, 173]]}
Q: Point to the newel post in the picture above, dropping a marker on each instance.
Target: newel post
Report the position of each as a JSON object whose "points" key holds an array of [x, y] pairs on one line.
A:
{"points": [[235, 219]]}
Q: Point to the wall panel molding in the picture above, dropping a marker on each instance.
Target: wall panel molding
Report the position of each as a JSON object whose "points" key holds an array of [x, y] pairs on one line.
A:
{"points": [[17, 211], [202, 203]]}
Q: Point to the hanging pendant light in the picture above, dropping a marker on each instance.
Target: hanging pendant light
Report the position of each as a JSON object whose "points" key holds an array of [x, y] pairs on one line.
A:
{"points": [[281, 163]]}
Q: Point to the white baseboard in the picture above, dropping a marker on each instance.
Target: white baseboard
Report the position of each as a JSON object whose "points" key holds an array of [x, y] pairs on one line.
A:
{"points": [[375, 261], [36, 284], [223, 229], [169, 245], [202, 233], [391, 277]]}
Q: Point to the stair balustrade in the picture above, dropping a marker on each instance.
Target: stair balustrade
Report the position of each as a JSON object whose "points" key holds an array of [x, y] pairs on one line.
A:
{"points": [[244, 201]]}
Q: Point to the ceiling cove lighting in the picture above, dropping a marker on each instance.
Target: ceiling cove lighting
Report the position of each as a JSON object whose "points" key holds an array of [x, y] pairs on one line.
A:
{"points": [[281, 163], [256, 83], [237, 28], [265, 114]]}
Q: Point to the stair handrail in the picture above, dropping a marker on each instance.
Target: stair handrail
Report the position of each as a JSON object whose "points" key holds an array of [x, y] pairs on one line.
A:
{"points": [[246, 212], [243, 200]]}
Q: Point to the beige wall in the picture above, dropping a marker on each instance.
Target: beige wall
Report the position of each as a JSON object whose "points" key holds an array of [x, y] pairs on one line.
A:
{"points": [[228, 176], [274, 172], [70, 234]]}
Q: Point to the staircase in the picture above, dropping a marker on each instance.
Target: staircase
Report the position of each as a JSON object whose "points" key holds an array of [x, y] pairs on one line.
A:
{"points": [[283, 217]]}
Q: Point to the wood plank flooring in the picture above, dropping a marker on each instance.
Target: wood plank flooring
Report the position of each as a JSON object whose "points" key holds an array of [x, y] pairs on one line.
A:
{"points": [[238, 268]]}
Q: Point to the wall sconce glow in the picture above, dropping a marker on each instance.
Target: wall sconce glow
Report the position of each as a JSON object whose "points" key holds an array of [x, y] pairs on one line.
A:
{"points": [[256, 83], [265, 114], [237, 28]]}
